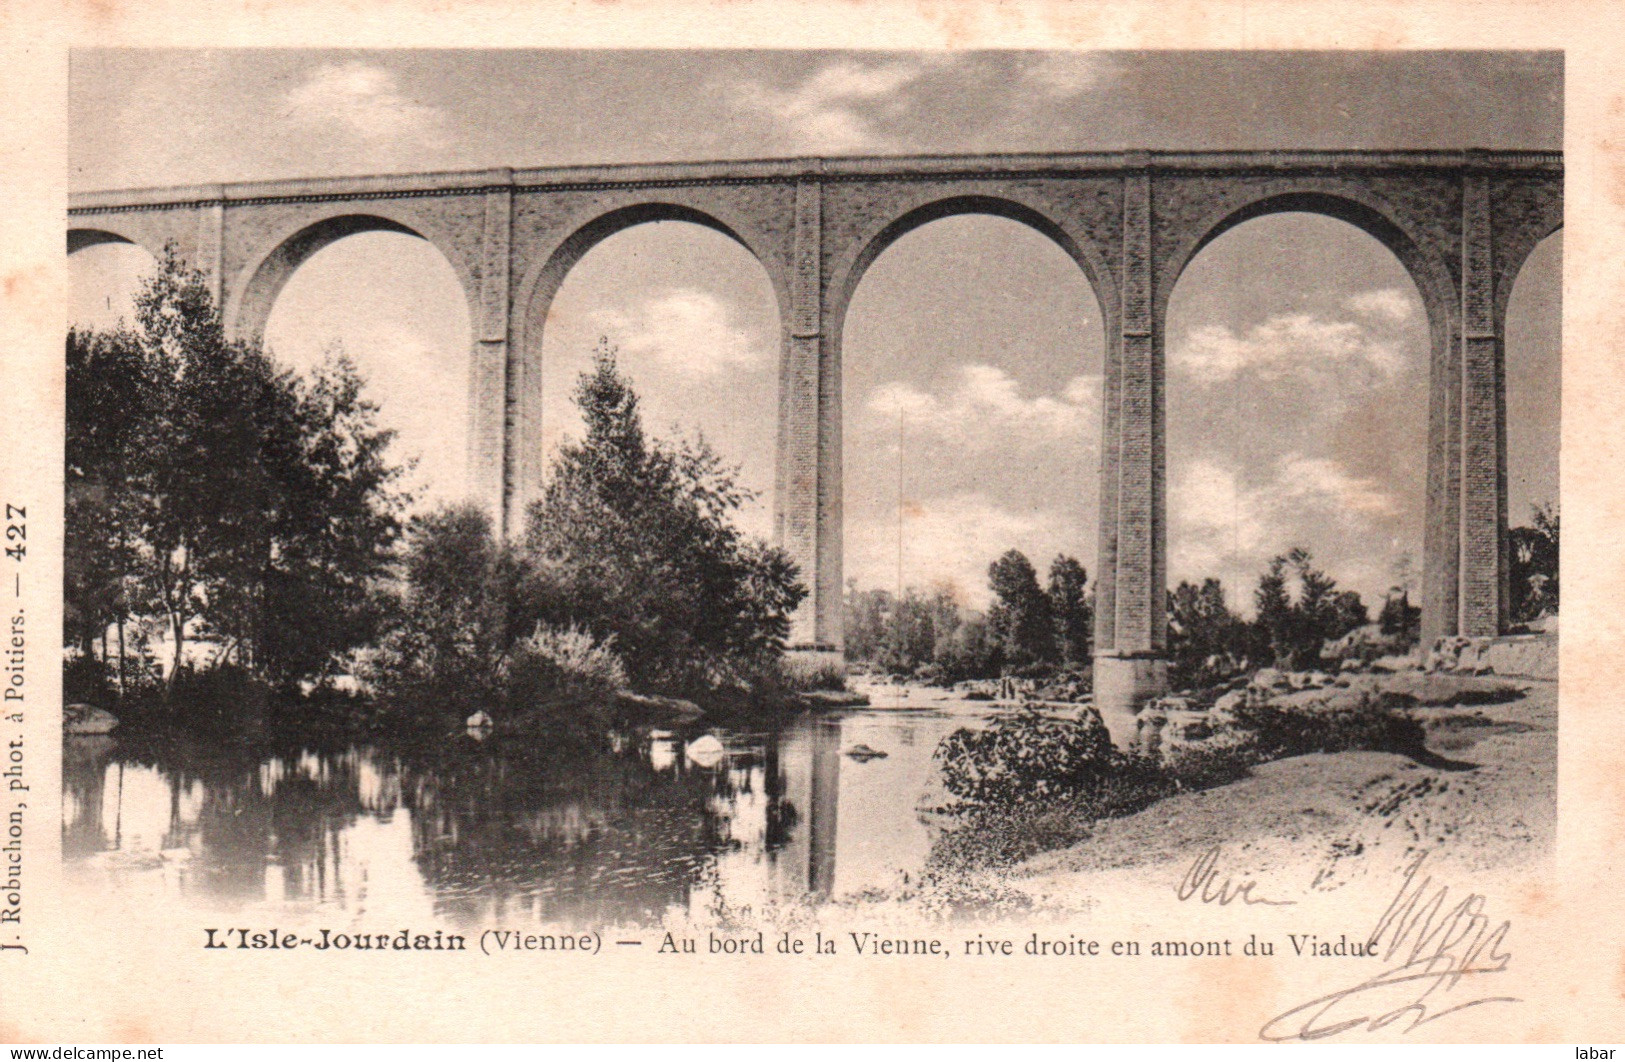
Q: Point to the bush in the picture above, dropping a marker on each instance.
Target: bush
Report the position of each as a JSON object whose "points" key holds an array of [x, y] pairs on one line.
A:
{"points": [[566, 659], [1288, 730], [1210, 763], [804, 671], [1025, 756]]}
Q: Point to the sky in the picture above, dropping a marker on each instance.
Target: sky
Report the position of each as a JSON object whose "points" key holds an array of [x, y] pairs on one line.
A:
{"points": [[1297, 345]]}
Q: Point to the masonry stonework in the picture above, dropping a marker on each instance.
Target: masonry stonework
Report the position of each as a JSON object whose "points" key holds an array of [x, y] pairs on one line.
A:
{"points": [[1461, 223]]}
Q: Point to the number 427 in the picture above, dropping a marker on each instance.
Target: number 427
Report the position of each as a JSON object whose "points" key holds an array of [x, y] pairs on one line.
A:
{"points": [[16, 531]]}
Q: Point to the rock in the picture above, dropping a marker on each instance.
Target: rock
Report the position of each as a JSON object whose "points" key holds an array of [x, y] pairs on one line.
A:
{"points": [[481, 720], [1528, 657], [863, 753], [1170, 704], [1269, 678], [1224, 709], [834, 699], [705, 751], [1438, 690], [87, 719], [666, 709], [1393, 663], [1317, 679], [1471, 661], [1192, 727]]}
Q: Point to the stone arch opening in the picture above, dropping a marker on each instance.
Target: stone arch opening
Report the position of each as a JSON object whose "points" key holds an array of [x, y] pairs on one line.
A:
{"points": [[105, 271], [255, 292], [692, 316], [392, 304], [525, 453], [970, 348], [1094, 269], [1310, 324], [1532, 361]]}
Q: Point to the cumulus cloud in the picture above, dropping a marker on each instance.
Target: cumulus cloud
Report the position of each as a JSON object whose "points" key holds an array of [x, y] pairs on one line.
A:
{"points": [[366, 101], [1388, 305], [833, 109], [1289, 345], [688, 332], [1224, 524], [949, 542], [984, 408]]}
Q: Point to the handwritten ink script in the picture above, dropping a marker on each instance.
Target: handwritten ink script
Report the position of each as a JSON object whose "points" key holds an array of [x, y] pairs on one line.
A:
{"points": [[1437, 957], [1202, 881]]}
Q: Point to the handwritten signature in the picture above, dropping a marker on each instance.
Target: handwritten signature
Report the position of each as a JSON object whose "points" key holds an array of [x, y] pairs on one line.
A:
{"points": [[1202, 879], [1434, 949]]}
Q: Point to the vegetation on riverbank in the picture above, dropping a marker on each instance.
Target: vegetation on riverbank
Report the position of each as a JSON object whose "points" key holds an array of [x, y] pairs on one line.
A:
{"points": [[237, 532]]}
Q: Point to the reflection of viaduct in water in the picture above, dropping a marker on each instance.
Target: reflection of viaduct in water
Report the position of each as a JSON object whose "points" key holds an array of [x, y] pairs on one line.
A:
{"points": [[1461, 223]]}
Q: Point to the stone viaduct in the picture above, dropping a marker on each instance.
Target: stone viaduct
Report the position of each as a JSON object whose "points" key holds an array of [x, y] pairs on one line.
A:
{"points": [[1461, 223]]}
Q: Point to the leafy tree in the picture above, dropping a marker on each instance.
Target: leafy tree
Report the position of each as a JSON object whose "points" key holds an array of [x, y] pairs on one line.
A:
{"points": [[969, 652], [333, 528], [464, 609], [867, 614], [1206, 641], [1074, 615], [1292, 631], [236, 498], [638, 539], [107, 403], [1021, 618], [1533, 570], [1274, 629]]}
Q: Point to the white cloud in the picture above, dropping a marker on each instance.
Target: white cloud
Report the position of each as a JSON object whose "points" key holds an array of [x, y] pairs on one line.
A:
{"points": [[950, 541], [831, 110], [1224, 526], [985, 409], [1288, 345], [1388, 305], [688, 332], [1322, 482], [365, 100]]}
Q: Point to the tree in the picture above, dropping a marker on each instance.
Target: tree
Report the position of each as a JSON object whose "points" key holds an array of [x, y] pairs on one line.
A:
{"points": [[465, 606], [107, 404], [638, 539], [1292, 631], [1206, 641], [238, 499], [333, 527], [1021, 619], [1533, 565], [1069, 604]]}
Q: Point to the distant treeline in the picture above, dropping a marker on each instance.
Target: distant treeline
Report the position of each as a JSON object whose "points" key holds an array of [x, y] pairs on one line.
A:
{"points": [[1042, 631]]}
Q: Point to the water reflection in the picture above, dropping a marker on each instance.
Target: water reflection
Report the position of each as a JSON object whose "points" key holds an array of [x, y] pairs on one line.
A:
{"points": [[628, 830]]}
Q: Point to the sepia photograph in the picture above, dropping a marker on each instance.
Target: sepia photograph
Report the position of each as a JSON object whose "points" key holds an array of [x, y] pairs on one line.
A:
{"points": [[704, 486], [1081, 506]]}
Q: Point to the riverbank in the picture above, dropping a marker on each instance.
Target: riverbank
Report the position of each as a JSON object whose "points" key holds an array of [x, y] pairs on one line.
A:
{"points": [[1482, 800]]}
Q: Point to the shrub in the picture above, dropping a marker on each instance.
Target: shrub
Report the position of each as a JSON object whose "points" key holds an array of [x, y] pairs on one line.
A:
{"points": [[1215, 761], [567, 659], [1025, 756], [1290, 730], [804, 671]]}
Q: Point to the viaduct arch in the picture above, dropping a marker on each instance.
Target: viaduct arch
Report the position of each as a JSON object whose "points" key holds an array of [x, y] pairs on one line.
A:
{"points": [[1461, 223]]}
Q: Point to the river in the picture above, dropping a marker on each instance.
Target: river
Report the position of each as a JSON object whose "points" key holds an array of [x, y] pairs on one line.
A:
{"points": [[642, 827]]}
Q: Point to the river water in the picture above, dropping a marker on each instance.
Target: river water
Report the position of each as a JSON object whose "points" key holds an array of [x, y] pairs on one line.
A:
{"points": [[642, 827]]}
